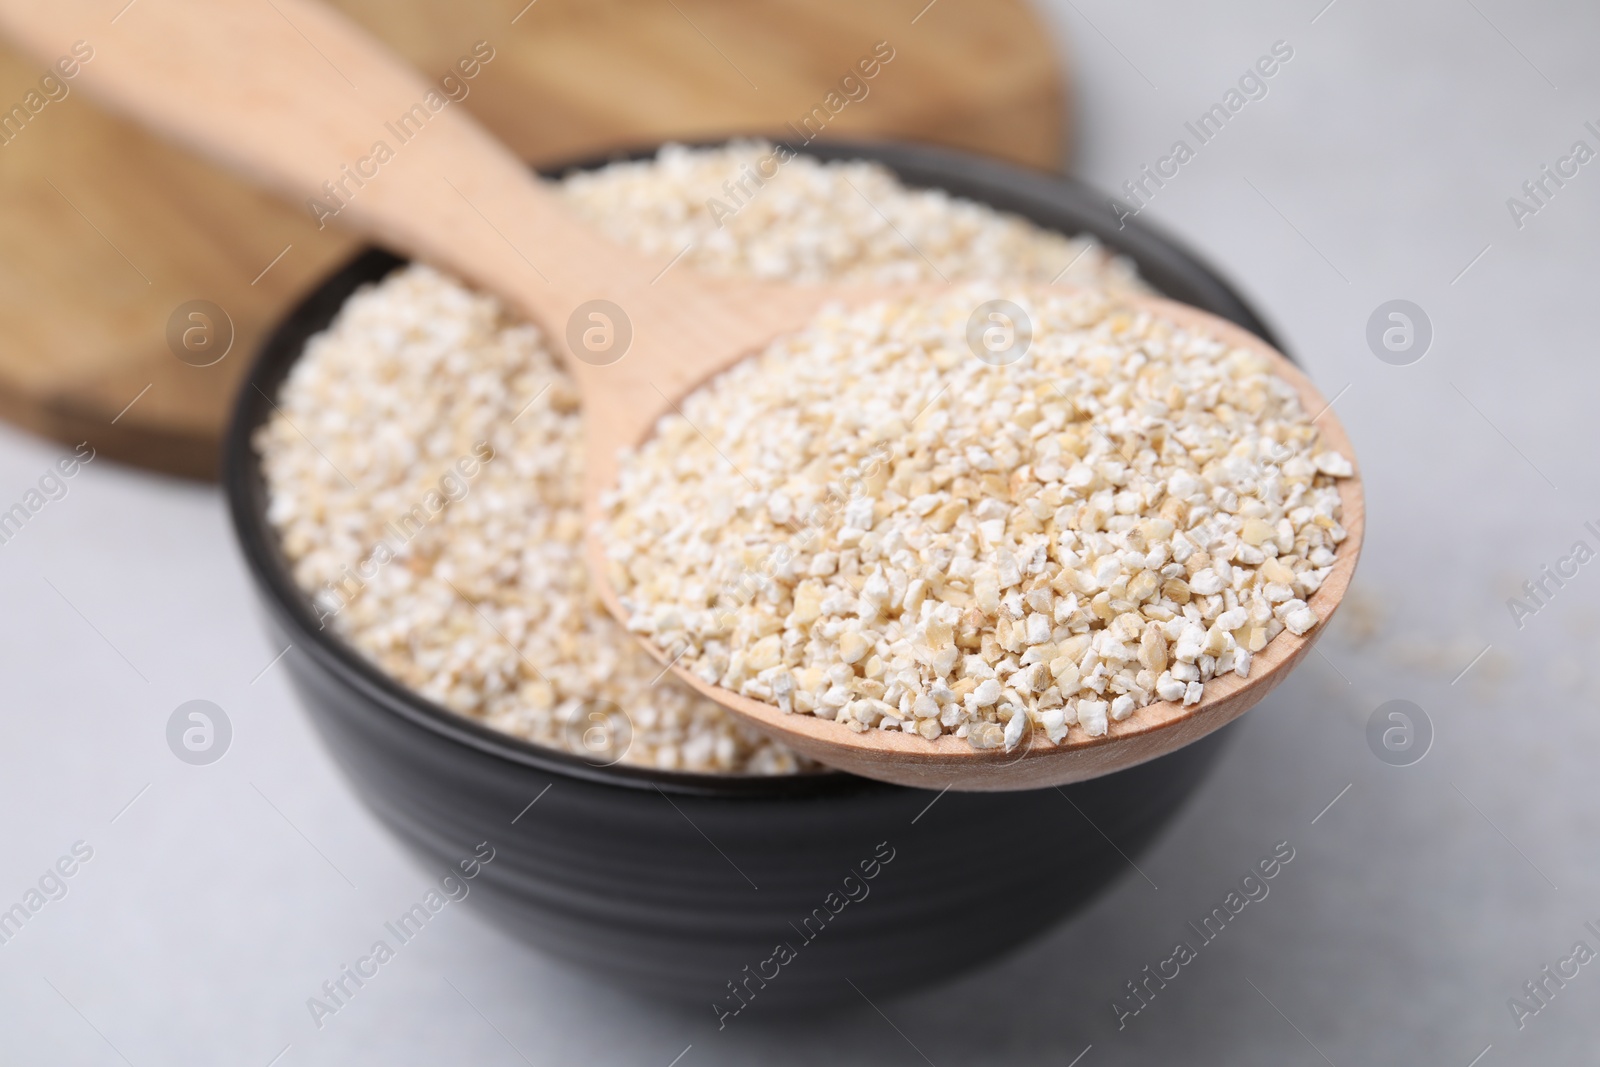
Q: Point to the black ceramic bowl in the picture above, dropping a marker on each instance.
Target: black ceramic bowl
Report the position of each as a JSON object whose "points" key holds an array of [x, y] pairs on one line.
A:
{"points": [[728, 890]]}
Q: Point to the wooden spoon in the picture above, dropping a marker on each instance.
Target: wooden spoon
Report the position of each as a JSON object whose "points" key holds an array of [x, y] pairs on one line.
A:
{"points": [[290, 93]]}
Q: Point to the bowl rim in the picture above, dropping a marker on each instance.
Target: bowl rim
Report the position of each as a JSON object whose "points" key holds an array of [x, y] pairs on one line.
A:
{"points": [[1005, 186]]}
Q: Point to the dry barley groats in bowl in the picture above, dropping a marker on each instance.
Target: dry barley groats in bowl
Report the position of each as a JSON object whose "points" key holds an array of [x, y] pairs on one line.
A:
{"points": [[608, 868], [424, 463], [878, 523]]}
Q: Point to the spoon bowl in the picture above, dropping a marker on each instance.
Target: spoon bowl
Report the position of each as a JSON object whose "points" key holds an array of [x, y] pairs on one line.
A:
{"points": [[1037, 762]]}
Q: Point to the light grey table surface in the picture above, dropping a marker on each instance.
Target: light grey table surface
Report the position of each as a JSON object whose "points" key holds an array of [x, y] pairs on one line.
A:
{"points": [[1378, 166]]}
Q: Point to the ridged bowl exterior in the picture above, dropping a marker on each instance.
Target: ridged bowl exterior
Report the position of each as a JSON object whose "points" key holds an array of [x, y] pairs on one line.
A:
{"points": [[726, 889]]}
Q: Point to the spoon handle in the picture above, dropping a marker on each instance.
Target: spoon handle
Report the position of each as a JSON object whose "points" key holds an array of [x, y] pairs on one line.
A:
{"points": [[293, 95]]}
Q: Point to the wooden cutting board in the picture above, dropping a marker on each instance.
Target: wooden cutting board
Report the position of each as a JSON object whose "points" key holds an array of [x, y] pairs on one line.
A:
{"points": [[109, 238]]}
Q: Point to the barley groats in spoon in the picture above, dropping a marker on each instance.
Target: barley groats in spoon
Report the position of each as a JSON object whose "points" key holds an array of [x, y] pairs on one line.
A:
{"points": [[932, 558]]}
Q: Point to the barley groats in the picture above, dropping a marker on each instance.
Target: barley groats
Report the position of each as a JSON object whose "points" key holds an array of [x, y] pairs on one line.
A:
{"points": [[869, 524], [425, 467]]}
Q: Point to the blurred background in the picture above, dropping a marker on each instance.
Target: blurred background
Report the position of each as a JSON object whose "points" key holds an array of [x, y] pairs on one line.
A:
{"points": [[1384, 163]]}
